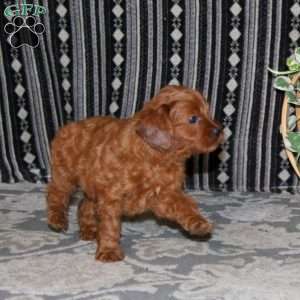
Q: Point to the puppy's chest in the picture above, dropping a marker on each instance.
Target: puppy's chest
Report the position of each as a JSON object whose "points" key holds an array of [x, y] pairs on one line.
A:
{"points": [[145, 186]]}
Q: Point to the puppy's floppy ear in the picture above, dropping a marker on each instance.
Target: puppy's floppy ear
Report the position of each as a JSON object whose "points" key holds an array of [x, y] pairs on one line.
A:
{"points": [[154, 128]]}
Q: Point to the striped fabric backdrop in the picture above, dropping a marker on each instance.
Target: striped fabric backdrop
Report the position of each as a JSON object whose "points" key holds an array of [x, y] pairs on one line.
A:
{"points": [[101, 57]]}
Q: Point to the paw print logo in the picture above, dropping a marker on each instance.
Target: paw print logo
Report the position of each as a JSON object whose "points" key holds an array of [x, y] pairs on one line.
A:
{"points": [[24, 31]]}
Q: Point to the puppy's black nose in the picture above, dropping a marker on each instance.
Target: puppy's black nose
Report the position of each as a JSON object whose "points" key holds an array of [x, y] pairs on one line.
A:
{"points": [[216, 131]]}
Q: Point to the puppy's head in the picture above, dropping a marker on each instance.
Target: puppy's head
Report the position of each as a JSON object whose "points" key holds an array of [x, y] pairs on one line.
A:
{"points": [[178, 119]]}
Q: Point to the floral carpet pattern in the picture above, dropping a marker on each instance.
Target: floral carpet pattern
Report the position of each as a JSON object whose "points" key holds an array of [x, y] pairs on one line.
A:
{"points": [[253, 254]]}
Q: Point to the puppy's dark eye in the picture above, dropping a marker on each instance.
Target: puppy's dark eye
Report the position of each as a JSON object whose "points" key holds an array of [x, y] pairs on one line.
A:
{"points": [[194, 119]]}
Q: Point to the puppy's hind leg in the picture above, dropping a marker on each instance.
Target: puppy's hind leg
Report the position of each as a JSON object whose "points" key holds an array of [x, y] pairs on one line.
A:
{"points": [[58, 198], [108, 214], [87, 220]]}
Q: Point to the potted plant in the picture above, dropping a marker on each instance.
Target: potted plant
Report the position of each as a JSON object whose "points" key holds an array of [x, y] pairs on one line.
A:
{"points": [[289, 82]]}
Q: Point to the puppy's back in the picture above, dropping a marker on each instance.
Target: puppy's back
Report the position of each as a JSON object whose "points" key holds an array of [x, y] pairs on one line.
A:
{"points": [[73, 140]]}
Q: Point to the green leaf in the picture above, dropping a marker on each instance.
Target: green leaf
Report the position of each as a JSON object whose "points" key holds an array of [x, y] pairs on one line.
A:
{"points": [[297, 54], [292, 63], [292, 98], [292, 121], [283, 83], [294, 139], [288, 144], [291, 95], [297, 102]]}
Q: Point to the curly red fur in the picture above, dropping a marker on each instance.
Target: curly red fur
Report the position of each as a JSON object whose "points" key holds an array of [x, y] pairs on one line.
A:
{"points": [[128, 166]]}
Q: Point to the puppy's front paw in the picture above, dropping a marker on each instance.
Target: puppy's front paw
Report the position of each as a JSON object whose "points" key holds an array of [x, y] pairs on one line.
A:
{"points": [[200, 227], [57, 222], [110, 255]]}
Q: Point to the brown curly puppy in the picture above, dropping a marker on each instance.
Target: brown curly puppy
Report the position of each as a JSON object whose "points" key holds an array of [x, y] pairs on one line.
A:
{"points": [[129, 166]]}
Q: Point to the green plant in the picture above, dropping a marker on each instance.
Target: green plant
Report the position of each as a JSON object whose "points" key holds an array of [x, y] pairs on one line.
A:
{"points": [[289, 82]]}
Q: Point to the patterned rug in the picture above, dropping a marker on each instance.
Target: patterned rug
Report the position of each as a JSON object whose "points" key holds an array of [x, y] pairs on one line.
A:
{"points": [[253, 254]]}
